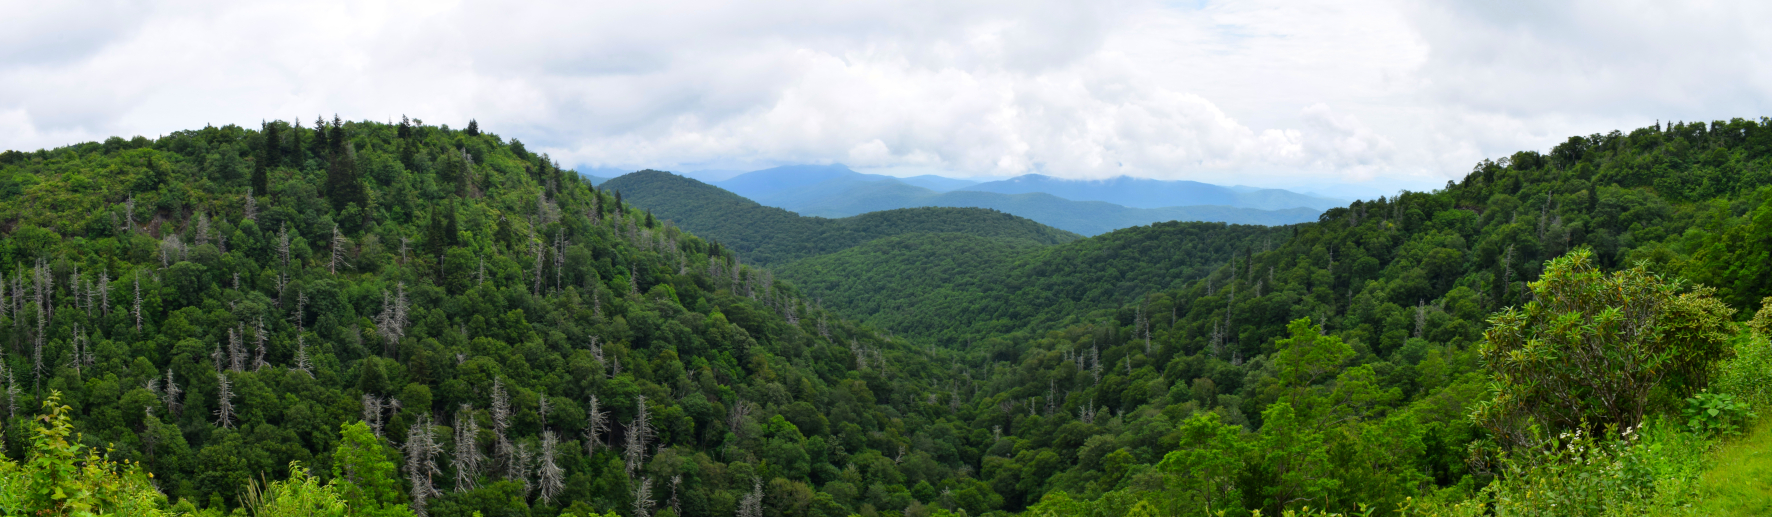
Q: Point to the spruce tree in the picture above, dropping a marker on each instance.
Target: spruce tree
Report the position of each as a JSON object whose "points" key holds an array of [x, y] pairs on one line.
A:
{"points": [[269, 154]]}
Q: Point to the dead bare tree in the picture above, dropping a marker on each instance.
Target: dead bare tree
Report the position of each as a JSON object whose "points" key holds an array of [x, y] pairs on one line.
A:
{"points": [[752, 504], [303, 363], [224, 410], [421, 450], [236, 352], [736, 417], [202, 228], [596, 423], [643, 502], [338, 250], [639, 433], [171, 393], [676, 506], [502, 451], [372, 411], [250, 211], [522, 459], [104, 293], [258, 339], [467, 458], [549, 475]]}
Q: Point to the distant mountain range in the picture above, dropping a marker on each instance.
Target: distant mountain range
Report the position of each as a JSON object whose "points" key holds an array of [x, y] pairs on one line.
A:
{"points": [[1149, 193], [836, 191], [1086, 207], [770, 235]]}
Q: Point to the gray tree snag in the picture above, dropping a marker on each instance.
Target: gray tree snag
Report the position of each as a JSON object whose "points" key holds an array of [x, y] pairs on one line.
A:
{"points": [[638, 435], [303, 363], [421, 450], [171, 393], [643, 498], [224, 410], [596, 424], [372, 411], [550, 476], [752, 504], [467, 457], [503, 453]]}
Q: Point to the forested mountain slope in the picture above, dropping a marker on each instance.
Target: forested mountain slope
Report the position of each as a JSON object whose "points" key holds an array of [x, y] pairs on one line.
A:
{"points": [[437, 321], [1342, 367], [767, 235], [956, 289]]}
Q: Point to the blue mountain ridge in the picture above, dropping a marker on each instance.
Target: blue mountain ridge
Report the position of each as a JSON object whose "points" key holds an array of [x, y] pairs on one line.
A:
{"points": [[836, 191], [1150, 193]]}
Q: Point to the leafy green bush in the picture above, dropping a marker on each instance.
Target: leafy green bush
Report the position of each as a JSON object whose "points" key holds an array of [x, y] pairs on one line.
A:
{"points": [[1762, 321], [1716, 413], [62, 477], [299, 496], [1590, 349], [1649, 470], [1748, 375]]}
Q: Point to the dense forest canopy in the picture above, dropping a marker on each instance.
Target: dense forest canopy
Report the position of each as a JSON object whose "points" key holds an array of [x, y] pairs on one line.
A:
{"points": [[956, 289], [394, 319], [222, 302]]}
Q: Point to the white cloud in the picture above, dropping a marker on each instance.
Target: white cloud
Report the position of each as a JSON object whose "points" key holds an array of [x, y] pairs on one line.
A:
{"points": [[1266, 92]]}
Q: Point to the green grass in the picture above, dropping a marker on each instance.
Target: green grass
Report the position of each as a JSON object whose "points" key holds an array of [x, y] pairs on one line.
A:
{"points": [[1739, 481]]}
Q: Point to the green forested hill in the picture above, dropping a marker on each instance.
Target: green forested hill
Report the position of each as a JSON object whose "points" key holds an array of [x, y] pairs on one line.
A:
{"points": [[1342, 367], [437, 321], [949, 274], [956, 289], [767, 235]]}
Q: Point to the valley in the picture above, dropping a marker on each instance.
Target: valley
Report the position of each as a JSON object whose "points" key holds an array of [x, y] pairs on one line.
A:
{"points": [[406, 319]]}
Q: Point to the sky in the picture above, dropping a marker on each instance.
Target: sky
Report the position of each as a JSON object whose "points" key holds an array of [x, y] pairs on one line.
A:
{"points": [[1346, 97]]}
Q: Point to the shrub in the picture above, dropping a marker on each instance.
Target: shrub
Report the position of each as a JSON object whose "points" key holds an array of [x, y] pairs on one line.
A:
{"points": [[1713, 413], [1591, 349], [61, 477], [1650, 470], [1748, 375]]}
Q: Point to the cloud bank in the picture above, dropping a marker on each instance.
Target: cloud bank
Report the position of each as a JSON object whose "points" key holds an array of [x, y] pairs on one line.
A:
{"points": [[1273, 93]]}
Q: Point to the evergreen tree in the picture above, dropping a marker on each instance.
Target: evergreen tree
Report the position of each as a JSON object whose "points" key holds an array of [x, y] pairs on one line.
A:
{"points": [[270, 155]]}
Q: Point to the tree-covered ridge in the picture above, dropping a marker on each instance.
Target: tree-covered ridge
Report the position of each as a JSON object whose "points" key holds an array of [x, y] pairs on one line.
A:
{"points": [[768, 235], [1400, 290], [443, 323], [958, 289]]}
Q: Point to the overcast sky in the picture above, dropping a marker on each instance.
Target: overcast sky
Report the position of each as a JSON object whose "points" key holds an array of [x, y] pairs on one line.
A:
{"points": [[1334, 96]]}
